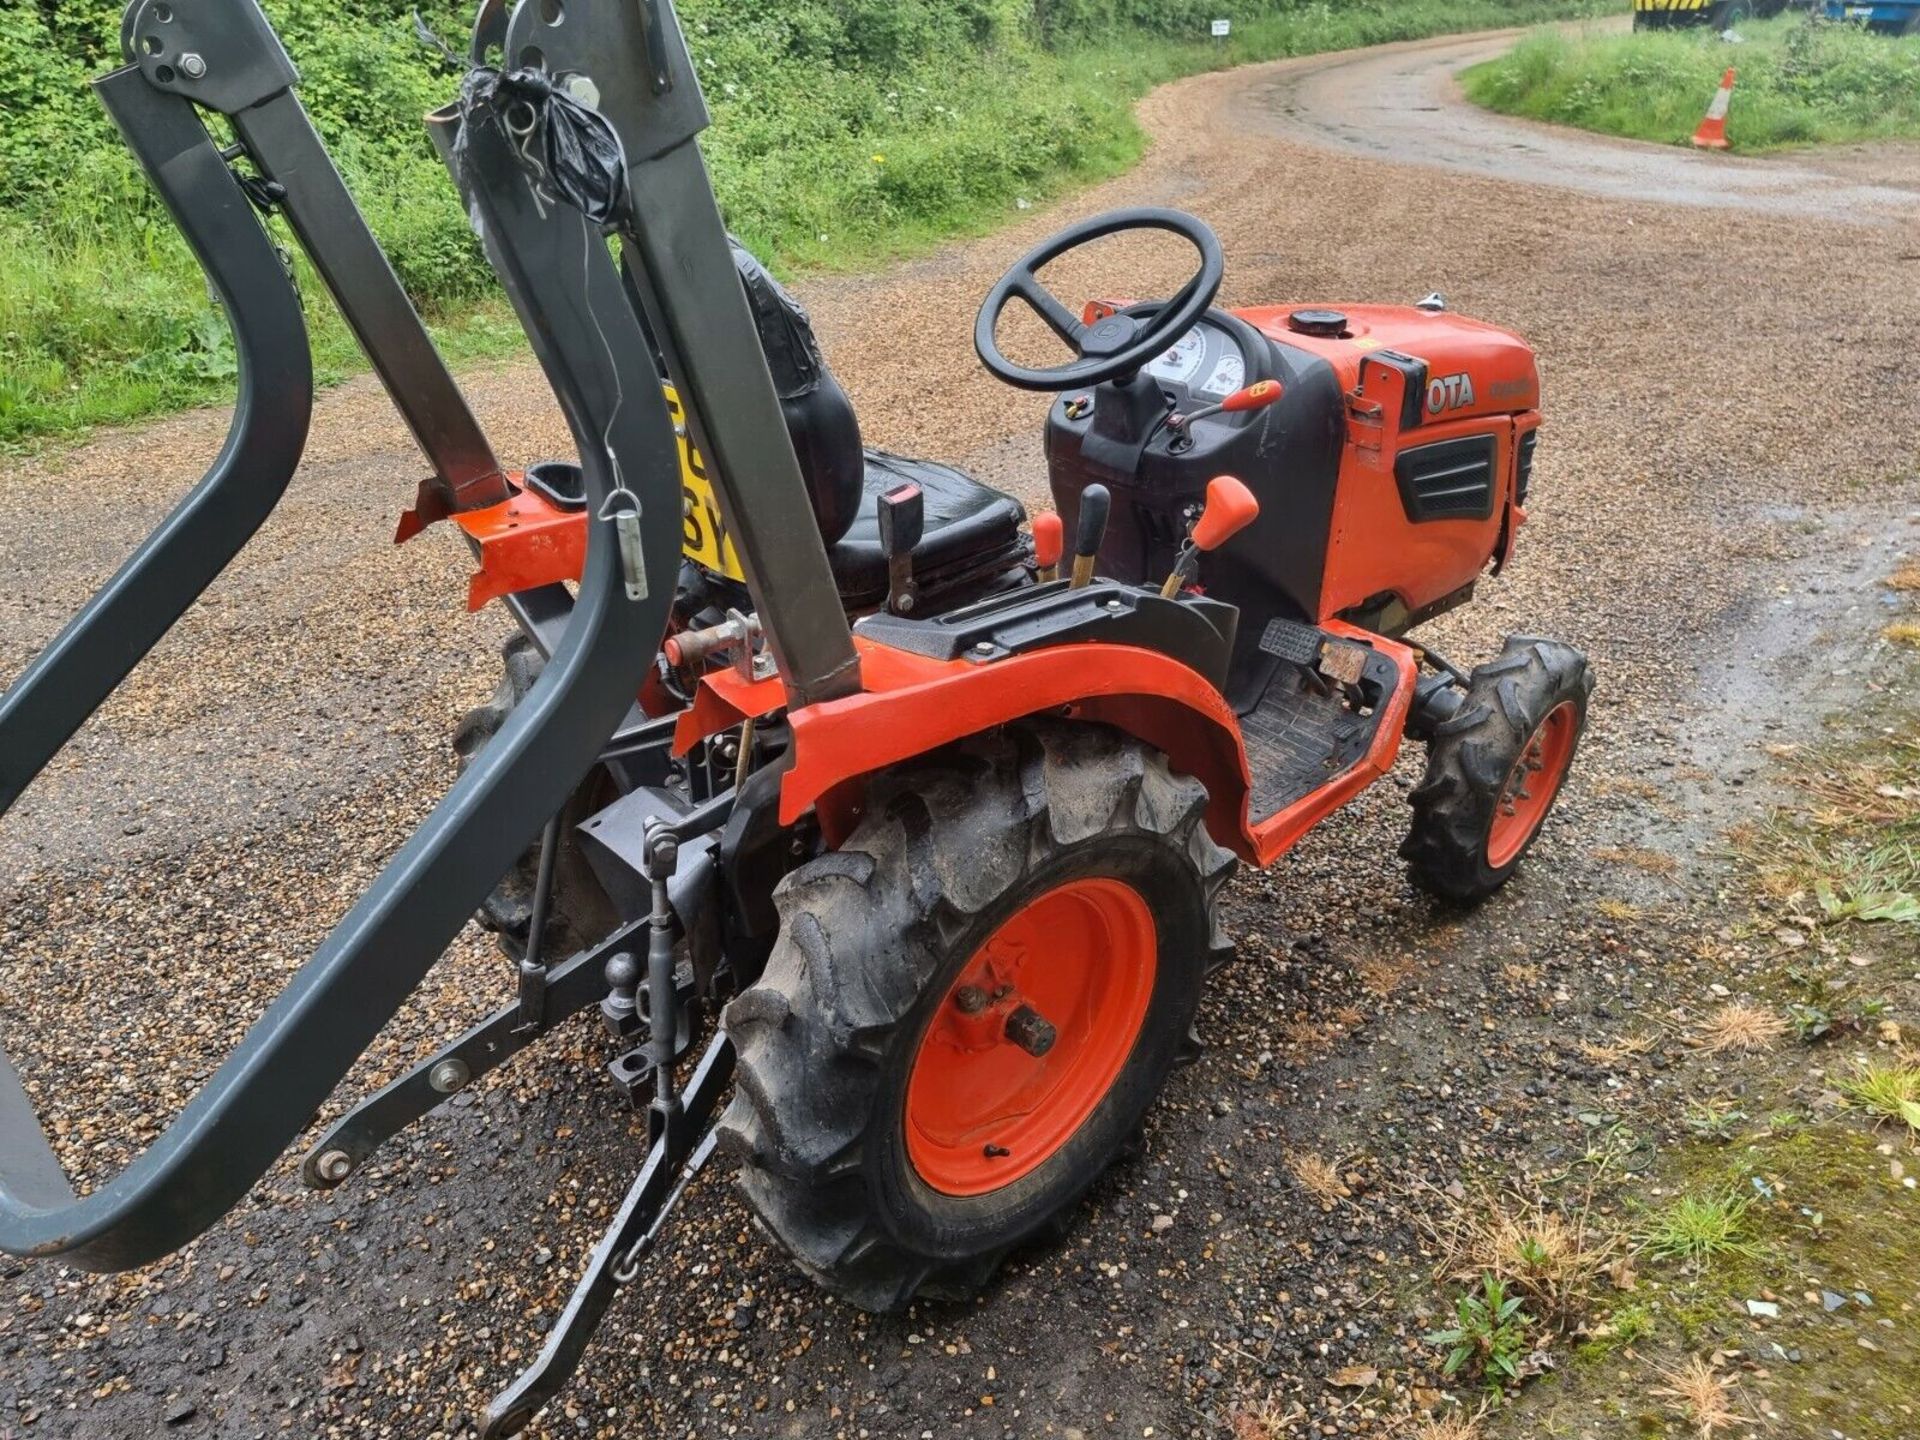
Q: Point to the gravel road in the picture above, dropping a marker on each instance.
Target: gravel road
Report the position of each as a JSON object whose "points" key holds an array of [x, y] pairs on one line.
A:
{"points": [[1728, 466], [1402, 102]]}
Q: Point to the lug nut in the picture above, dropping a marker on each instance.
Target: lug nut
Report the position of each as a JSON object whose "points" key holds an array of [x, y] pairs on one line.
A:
{"points": [[971, 999], [1031, 1031]]}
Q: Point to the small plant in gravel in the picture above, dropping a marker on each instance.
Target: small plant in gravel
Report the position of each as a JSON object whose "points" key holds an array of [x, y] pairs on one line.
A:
{"points": [[1903, 632], [1453, 1425], [1737, 1026], [1489, 1337], [1553, 1257], [1887, 1090], [1907, 577], [1703, 1398], [1319, 1177], [1814, 1022], [1714, 1119], [1700, 1227]]}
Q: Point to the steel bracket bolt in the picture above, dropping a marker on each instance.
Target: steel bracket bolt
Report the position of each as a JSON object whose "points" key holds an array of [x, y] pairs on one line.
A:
{"points": [[193, 66], [449, 1076], [334, 1166]]}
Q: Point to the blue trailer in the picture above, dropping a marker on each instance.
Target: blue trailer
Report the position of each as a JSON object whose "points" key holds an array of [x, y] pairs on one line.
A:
{"points": [[1889, 17]]}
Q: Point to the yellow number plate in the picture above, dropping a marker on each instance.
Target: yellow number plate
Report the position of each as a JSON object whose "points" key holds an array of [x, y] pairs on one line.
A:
{"points": [[705, 540]]}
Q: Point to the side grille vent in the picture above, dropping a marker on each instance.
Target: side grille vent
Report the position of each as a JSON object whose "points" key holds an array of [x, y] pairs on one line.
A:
{"points": [[1527, 442], [1450, 480]]}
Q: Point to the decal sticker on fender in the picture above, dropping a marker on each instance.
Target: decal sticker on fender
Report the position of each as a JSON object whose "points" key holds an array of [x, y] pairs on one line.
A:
{"points": [[1450, 392]]}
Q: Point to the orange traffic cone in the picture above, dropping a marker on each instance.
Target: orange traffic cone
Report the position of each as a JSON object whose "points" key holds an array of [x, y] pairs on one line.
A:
{"points": [[1712, 134]]}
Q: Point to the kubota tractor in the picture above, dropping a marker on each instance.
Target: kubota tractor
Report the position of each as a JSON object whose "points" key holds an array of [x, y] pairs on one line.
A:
{"points": [[849, 804]]}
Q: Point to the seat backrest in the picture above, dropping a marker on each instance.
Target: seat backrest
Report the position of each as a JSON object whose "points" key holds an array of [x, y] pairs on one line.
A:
{"points": [[820, 418]]}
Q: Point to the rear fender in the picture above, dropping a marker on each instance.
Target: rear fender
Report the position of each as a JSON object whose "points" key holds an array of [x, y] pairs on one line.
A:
{"points": [[914, 705]]}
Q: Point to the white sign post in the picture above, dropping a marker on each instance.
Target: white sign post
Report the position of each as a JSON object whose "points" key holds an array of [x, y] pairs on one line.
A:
{"points": [[1222, 29]]}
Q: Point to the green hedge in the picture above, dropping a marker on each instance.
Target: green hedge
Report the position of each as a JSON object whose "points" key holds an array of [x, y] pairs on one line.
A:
{"points": [[846, 130], [1802, 80]]}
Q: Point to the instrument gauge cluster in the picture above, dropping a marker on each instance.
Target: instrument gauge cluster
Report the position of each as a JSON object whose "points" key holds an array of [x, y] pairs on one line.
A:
{"points": [[1206, 362]]}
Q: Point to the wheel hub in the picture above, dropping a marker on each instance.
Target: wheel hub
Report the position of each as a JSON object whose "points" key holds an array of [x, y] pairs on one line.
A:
{"points": [[1030, 1037], [1531, 785]]}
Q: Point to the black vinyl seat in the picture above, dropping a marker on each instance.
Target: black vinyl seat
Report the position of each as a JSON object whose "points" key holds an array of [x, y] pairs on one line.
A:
{"points": [[972, 533]]}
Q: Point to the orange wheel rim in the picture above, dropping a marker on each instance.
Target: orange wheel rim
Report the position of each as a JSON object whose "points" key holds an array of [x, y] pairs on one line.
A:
{"points": [[1532, 783], [1031, 1036]]}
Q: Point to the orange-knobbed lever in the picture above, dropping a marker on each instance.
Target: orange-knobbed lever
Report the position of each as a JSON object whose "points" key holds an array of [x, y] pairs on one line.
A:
{"points": [[1230, 509], [1049, 542], [1256, 396]]}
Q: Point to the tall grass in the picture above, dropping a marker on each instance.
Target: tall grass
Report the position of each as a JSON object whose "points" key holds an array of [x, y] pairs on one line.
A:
{"points": [[845, 130], [1801, 80]]}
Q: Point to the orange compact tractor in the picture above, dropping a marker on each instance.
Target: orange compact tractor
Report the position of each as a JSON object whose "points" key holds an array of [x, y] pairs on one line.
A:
{"points": [[885, 836]]}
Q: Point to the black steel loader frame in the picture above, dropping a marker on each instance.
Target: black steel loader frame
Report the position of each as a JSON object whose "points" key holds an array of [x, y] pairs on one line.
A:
{"points": [[596, 332]]}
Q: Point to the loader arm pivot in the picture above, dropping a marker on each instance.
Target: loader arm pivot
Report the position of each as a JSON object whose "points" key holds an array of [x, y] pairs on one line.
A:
{"points": [[570, 298]]}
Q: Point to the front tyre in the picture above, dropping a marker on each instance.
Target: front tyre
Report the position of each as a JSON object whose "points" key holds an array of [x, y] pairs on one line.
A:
{"points": [[1495, 769], [971, 1006]]}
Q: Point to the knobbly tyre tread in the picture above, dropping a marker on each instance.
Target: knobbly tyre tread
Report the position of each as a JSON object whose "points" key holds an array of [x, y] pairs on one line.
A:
{"points": [[581, 912], [1471, 755], [868, 930]]}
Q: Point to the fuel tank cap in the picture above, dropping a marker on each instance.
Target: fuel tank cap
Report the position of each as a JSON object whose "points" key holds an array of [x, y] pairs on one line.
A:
{"points": [[1318, 322]]}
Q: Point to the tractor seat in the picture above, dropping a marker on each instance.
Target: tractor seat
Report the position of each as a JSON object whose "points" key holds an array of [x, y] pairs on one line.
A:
{"points": [[971, 535]]}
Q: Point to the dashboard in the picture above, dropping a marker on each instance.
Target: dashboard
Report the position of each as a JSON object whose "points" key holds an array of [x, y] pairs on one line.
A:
{"points": [[1206, 361]]}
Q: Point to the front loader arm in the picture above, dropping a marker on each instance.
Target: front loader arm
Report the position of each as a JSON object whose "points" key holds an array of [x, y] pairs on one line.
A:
{"points": [[67, 682], [564, 285]]}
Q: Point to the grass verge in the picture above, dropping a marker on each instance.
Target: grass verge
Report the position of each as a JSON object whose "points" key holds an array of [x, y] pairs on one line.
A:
{"points": [[820, 161], [1802, 81]]}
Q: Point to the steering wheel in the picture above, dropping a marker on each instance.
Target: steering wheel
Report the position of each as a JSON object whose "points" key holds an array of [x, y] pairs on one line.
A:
{"points": [[1118, 345]]}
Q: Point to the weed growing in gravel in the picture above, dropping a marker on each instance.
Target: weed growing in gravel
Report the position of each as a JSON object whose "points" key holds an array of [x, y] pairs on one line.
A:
{"points": [[1737, 1026], [1714, 1119], [1654, 862], [1454, 1425], [1616, 1052], [1907, 577], [1850, 850], [1702, 1398], [1903, 632], [1319, 1177], [1697, 1228], [1489, 1337], [1551, 1258], [1887, 1090]]}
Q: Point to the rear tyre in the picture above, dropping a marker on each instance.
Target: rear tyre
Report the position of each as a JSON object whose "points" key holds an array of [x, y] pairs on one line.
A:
{"points": [[1495, 769], [971, 1006], [581, 912]]}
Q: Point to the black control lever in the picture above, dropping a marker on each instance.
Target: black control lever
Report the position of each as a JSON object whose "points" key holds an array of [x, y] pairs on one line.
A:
{"points": [[1096, 504], [903, 521]]}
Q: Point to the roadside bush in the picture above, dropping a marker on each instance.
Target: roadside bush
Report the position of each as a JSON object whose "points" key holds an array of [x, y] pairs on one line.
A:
{"points": [[845, 130], [1801, 80]]}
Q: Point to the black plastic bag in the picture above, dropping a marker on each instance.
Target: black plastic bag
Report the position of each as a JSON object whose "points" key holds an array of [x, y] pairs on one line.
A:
{"points": [[570, 150]]}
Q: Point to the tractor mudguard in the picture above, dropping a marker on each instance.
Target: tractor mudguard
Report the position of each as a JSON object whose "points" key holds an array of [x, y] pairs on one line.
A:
{"points": [[914, 704], [569, 296]]}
